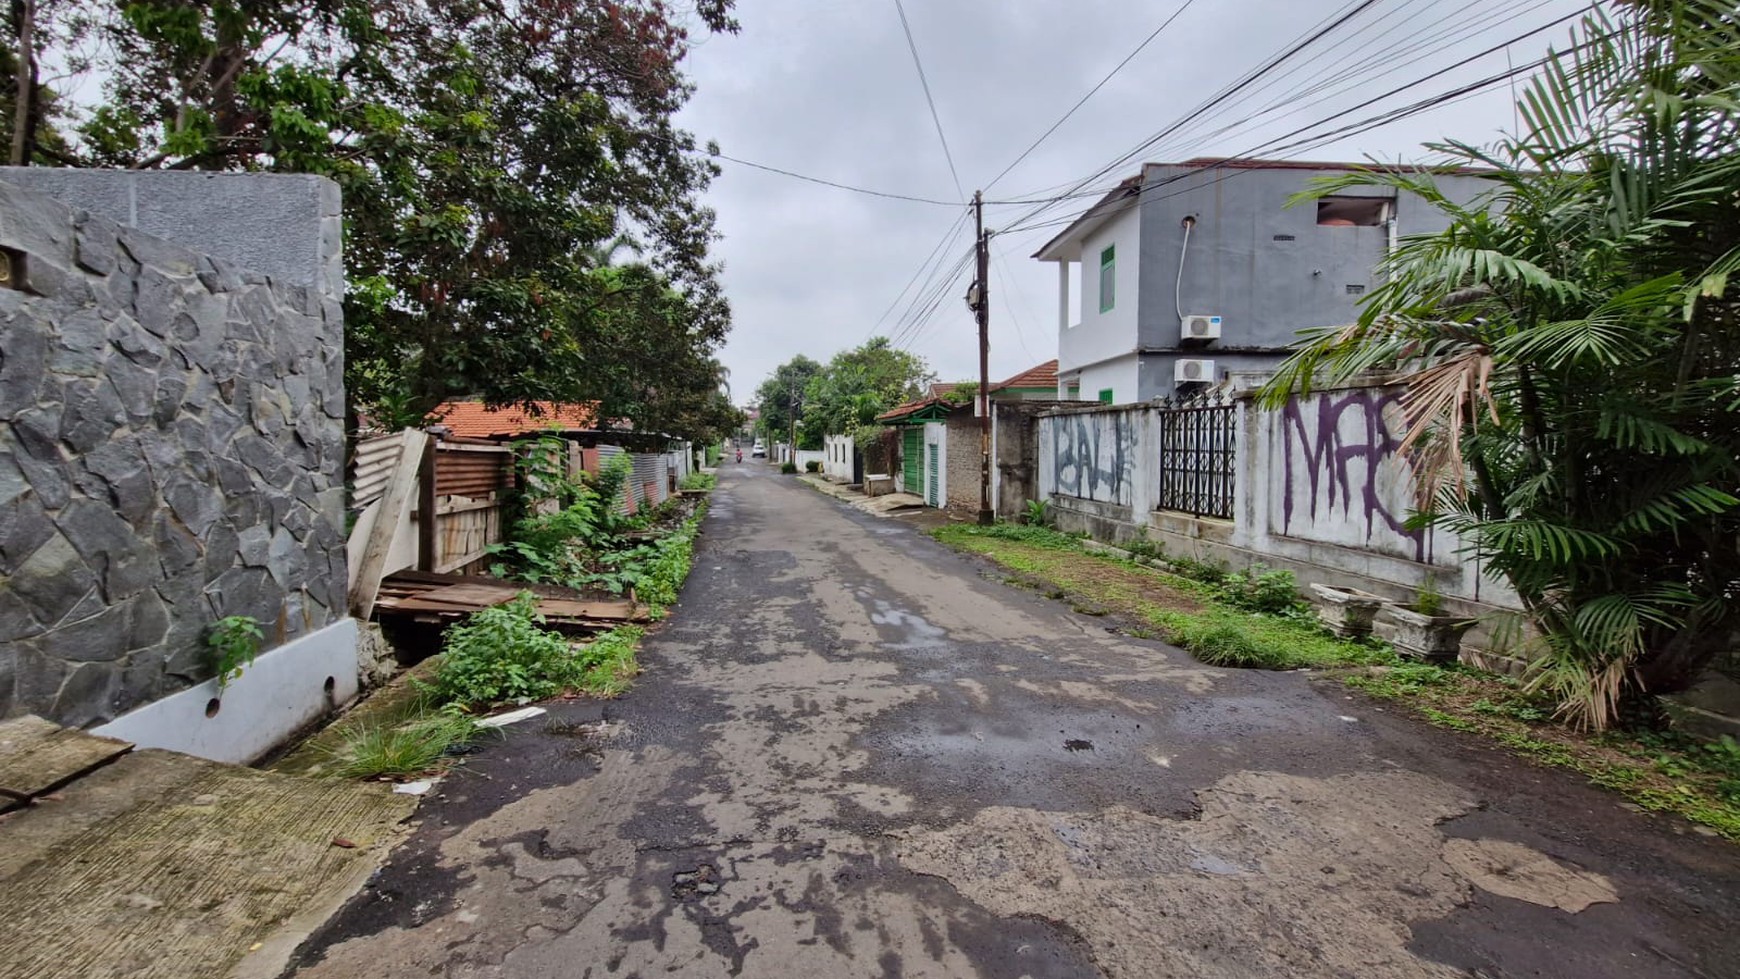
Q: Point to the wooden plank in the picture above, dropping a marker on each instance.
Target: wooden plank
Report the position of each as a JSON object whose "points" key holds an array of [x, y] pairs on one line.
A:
{"points": [[462, 561], [395, 504], [39, 756], [618, 611], [450, 446], [460, 504], [426, 515]]}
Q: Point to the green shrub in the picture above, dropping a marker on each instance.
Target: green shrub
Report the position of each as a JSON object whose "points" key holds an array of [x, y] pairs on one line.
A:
{"points": [[501, 654], [1259, 589], [1036, 515], [812, 466], [698, 481], [673, 555], [788, 468]]}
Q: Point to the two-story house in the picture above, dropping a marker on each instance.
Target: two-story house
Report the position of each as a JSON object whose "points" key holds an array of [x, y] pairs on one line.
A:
{"points": [[1188, 271]]}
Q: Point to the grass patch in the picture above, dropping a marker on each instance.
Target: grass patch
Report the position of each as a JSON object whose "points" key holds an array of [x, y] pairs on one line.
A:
{"points": [[1207, 610], [414, 747], [1211, 619], [698, 481]]}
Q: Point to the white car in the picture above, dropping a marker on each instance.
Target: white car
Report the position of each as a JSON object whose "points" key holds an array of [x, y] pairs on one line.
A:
{"points": [[759, 452]]}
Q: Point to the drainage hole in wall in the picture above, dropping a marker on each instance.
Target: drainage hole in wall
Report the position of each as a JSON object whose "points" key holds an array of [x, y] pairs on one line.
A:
{"points": [[211, 707], [329, 688]]}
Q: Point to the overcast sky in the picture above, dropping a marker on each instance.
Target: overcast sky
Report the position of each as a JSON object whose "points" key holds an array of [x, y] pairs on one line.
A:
{"points": [[828, 88]]}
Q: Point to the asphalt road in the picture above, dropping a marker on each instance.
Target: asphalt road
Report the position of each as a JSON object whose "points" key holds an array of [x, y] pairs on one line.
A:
{"points": [[856, 753]]}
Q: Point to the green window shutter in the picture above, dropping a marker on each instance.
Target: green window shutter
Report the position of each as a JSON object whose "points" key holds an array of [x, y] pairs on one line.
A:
{"points": [[1108, 279], [1105, 396]]}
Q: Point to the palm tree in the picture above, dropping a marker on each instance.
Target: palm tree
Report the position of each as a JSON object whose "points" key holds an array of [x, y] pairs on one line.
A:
{"points": [[1569, 347]]}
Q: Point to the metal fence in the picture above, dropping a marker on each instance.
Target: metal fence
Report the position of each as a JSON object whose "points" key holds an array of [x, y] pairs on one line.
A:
{"points": [[1197, 457]]}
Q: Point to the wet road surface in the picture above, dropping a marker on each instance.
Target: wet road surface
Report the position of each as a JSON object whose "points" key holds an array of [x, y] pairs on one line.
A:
{"points": [[856, 753]]}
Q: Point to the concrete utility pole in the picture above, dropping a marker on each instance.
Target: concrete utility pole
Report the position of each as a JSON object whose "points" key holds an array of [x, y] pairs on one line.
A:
{"points": [[982, 306]]}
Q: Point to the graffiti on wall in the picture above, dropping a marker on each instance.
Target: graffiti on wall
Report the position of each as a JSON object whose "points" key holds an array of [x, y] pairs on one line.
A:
{"points": [[1092, 454], [1343, 481]]}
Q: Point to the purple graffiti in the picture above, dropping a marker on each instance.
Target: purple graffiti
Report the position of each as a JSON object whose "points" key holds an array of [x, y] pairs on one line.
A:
{"points": [[1327, 456]]}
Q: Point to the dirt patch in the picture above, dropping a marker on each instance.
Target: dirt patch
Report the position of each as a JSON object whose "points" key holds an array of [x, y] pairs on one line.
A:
{"points": [[1515, 871]]}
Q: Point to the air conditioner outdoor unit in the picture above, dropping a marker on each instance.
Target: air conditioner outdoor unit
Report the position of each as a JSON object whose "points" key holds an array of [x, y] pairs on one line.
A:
{"points": [[1192, 371], [1199, 328]]}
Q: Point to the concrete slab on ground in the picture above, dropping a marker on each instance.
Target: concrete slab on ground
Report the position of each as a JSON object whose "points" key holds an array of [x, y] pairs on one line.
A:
{"points": [[38, 756], [162, 864]]}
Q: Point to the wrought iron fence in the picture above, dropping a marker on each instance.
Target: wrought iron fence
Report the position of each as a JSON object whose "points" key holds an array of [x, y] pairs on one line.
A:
{"points": [[1197, 453]]}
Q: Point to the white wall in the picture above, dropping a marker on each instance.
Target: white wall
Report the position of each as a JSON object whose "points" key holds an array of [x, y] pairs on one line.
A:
{"points": [[837, 453], [283, 691], [1102, 335], [1121, 375]]}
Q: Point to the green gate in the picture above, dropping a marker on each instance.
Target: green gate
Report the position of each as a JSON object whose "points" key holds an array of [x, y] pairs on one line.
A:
{"points": [[911, 451]]}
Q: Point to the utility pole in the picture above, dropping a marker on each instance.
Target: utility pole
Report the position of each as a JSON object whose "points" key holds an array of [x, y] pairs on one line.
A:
{"points": [[982, 306]]}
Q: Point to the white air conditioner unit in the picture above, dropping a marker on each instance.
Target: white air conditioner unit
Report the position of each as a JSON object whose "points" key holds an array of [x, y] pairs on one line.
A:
{"points": [[1199, 329], [1192, 371]]}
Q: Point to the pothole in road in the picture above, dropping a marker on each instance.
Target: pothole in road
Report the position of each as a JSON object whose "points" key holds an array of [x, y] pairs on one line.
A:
{"points": [[692, 885], [1078, 744]]}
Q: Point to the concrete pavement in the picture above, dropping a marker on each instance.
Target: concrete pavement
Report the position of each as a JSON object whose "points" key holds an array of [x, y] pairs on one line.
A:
{"points": [[856, 753]]}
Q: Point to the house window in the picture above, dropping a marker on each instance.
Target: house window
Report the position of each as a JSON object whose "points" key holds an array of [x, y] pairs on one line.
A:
{"points": [[1105, 396], [1108, 279], [1352, 212]]}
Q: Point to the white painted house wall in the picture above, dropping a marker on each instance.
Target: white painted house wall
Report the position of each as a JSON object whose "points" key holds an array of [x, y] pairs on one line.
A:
{"points": [[1120, 376], [837, 451], [1097, 336]]}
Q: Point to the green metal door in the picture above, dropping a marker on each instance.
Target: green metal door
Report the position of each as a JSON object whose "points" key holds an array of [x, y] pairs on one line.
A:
{"points": [[912, 447]]}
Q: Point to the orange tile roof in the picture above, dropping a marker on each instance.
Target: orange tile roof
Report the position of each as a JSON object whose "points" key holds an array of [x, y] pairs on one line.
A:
{"points": [[473, 419], [911, 407], [1043, 376], [940, 388]]}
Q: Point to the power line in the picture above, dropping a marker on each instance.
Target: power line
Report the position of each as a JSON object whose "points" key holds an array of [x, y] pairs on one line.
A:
{"points": [[934, 252], [828, 183], [1091, 92], [924, 82], [1361, 126]]}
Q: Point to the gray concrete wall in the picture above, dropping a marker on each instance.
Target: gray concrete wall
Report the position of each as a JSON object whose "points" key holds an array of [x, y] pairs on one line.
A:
{"points": [[963, 460], [1267, 269], [287, 226], [1318, 485], [171, 452]]}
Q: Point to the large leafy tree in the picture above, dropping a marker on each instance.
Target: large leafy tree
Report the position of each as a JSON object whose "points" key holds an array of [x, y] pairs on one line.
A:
{"points": [[861, 383], [490, 152], [1570, 346]]}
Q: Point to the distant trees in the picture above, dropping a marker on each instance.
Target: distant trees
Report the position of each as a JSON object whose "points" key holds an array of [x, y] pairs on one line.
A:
{"points": [[845, 395], [1571, 348], [492, 154]]}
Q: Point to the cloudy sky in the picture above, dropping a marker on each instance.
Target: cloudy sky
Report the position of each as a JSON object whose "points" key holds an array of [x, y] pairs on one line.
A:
{"points": [[828, 88]]}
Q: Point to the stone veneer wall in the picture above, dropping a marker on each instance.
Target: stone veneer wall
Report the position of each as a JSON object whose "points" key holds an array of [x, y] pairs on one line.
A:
{"points": [[171, 452]]}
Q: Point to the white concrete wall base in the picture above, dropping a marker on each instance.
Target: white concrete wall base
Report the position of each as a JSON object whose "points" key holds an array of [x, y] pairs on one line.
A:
{"points": [[281, 693]]}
